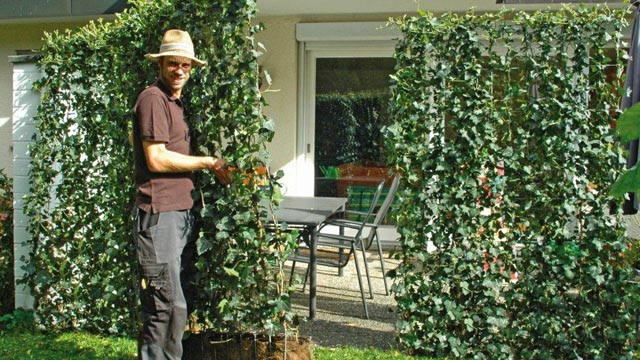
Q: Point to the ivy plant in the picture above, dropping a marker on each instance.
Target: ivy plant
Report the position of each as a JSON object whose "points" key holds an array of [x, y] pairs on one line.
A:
{"points": [[82, 269], [500, 125], [353, 132]]}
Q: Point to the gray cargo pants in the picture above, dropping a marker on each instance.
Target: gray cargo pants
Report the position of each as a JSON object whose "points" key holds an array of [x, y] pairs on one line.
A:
{"points": [[160, 240]]}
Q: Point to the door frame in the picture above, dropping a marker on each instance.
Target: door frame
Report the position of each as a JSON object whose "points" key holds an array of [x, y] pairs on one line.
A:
{"points": [[309, 52]]}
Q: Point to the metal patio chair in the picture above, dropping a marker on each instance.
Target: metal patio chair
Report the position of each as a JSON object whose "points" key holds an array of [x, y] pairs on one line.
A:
{"points": [[332, 248]]}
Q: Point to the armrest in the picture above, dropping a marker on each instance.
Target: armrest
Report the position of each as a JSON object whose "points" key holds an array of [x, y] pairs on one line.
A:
{"points": [[354, 226], [360, 213], [346, 224], [338, 237], [356, 212]]}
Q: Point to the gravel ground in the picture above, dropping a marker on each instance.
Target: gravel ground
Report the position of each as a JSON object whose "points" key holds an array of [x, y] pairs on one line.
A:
{"points": [[340, 319]]}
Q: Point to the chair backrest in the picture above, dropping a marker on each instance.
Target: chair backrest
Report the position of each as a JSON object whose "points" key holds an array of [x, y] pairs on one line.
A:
{"points": [[372, 207], [384, 208]]}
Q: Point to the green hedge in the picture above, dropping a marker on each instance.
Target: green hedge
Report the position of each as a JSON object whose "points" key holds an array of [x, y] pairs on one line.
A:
{"points": [[353, 132], [7, 289], [501, 127], [83, 265]]}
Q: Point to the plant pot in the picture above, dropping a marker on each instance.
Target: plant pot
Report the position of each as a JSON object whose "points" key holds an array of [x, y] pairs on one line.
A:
{"points": [[360, 175], [215, 346]]}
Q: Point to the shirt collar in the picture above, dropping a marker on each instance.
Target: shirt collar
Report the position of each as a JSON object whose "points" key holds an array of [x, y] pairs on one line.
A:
{"points": [[167, 92]]}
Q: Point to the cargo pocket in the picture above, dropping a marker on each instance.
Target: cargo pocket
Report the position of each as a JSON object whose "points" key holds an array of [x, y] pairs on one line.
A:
{"points": [[156, 290], [147, 231]]}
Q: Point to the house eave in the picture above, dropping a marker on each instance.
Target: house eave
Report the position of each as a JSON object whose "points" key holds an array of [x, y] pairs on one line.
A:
{"points": [[56, 19], [360, 7], [60, 11]]}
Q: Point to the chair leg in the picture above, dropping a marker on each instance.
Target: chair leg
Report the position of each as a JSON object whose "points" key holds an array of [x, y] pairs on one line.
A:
{"points": [[384, 272], [364, 301], [340, 255], [293, 268], [306, 276], [366, 267]]}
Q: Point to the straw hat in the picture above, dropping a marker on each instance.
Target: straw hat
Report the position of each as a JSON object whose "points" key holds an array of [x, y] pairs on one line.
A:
{"points": [[176, 43]]}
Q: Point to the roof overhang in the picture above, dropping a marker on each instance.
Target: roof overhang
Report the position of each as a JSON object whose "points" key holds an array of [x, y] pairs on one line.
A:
{"points": [[329, 7], [25, 11], [37, 11]]}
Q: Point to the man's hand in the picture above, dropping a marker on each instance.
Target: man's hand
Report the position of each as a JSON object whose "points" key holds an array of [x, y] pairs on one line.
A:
{"points": [[219, 168]]}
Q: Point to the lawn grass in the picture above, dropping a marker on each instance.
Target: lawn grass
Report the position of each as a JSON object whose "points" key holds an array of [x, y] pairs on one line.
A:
{"points": [[64, 346], [16, 345], [351, 353]]}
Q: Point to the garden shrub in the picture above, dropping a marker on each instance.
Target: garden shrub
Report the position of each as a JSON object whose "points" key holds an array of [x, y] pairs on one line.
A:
{"points": [[7, 289], [501, 126], [82, 270], [17, 320]]}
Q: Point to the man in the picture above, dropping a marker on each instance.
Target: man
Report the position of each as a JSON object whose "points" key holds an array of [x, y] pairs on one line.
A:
{"points": [[164, 182]]}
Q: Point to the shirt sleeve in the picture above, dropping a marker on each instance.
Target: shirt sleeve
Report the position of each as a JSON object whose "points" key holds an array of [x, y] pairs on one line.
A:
{"points": [[153, 118]]}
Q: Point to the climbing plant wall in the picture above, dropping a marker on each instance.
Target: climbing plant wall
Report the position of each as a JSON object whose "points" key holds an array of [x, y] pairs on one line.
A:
{"points": [[82, 270], [501, 127]]}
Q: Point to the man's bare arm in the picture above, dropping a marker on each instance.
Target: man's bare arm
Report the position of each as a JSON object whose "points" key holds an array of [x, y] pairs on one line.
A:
{"points": [[160, 159]]}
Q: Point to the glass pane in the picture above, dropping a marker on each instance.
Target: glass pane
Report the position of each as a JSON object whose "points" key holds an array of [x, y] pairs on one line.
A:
{"points": [[352, 95]]}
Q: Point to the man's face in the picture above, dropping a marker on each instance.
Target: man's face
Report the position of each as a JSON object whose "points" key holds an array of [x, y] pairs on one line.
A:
{"points": [[174, 72]]}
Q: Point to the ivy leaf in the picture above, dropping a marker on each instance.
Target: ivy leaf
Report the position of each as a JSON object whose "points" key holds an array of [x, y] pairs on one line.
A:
{"points": [[225, 224], [268, 125], [231, 272], [203, 245], [469, 324], [222, 305], [628, 125], [629, 181]]}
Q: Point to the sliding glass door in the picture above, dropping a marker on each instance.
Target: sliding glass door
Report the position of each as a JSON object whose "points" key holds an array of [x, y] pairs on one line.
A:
{"points": [[346, 100]]}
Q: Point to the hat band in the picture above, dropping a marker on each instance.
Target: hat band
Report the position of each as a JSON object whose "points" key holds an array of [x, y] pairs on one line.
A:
{"points": [[173, 47]]}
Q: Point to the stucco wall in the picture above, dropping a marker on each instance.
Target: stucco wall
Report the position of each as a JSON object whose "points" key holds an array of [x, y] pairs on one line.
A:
{"points": [[280, 60], [15, 37]]}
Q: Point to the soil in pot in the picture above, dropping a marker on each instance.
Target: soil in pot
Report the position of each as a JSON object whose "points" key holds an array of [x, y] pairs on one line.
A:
{"points": [[214, 346]]}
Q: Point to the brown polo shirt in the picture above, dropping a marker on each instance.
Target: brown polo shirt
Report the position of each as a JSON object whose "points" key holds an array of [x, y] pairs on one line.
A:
{"points": [[159, 116]]}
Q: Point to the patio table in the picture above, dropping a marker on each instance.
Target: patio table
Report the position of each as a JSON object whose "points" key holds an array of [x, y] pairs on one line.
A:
{"points": [[308, 213]]}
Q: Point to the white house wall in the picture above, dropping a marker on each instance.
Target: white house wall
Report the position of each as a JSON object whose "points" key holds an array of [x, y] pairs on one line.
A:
{"points": [[15, 37], [280, 60]]}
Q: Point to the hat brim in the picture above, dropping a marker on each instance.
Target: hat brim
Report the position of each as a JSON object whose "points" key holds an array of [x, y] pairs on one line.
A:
{"points": [[156, 57]]}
